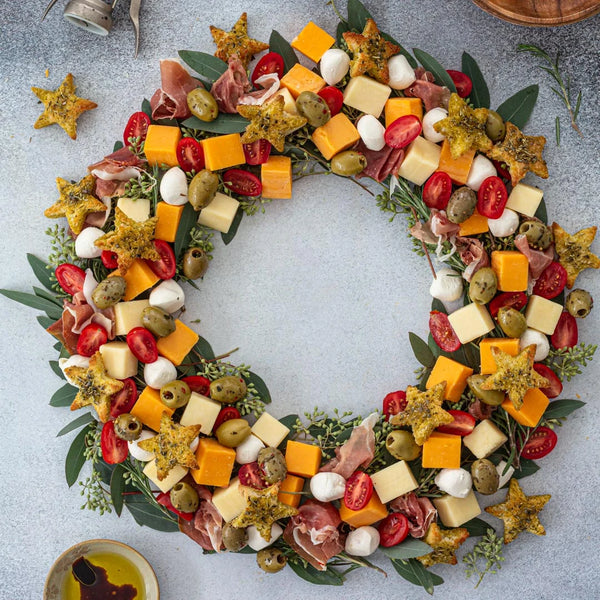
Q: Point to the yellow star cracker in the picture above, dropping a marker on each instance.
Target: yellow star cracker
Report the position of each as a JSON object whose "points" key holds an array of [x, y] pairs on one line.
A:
{"points": [[445, 542], [574, 251], [236, 42]]}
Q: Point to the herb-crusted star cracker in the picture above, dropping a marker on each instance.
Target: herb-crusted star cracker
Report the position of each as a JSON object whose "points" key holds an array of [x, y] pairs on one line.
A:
{"points": [[574, 251], [445, 542], [236, 42]]}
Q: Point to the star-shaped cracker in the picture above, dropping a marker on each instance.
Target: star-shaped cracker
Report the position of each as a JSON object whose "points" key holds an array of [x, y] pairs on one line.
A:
{"points": [[130, 240], [263, 508], [464, 127], [76, 202], [269, 122], [445, 542], [423, 411], [574, 251], [370, 52], [521, 153], [515, 374], [171, 446], [95, 387], [236, 42], [519, 512], [62, 107]]}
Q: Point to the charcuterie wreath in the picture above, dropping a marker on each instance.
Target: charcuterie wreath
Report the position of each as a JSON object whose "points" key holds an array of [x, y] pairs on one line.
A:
{"points": [[187, 441]]}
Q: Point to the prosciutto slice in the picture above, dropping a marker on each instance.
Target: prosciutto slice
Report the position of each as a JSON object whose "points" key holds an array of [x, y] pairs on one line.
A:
{"points": [[473, 254], [206, 528], [538, 259], [433, 95], [419, 512], [270, 86], [170, 101], [480, 410], [231, 86], [380, 163]]}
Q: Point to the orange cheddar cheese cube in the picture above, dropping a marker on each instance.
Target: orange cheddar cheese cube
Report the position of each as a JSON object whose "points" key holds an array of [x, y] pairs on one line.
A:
{"points": [[441, 451], [276, 177], [139, 278], [535, 403], [160, 146], [475, 224], [302, 459], [149, 408], [178, 344], [215, 463], [453, 373], [223, 151], [488, 364], [457, 168], [512, 270], [400, 107], [313, 42], [168, 221], [300, 79], [374, 511], [336, 135], [289, 490]]}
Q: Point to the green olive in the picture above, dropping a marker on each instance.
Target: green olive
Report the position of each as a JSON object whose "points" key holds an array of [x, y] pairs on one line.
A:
{"points": [[184, 497], [109, 291], [485, 476], [579, 303], [157, 321], [483, 286], [128, 427], [202, 104], [348, 163], [272, 464], [271, 560], [313, 108], [202, 189], [538, 235], [401, 445], [234, 538], [233, 432], [228, 389], [495, 128], [512, 322], [195, 263], [491, 397], [461, 205], [175, 394]]}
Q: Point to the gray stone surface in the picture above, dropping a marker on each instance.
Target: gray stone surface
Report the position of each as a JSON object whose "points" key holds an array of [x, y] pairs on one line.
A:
{"points": [[318, 293]]}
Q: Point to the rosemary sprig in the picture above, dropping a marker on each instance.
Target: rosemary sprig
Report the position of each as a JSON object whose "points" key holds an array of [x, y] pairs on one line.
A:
{"points": [[489, 548]]}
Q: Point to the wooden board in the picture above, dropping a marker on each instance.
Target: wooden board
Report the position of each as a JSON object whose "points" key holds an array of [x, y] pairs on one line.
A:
{"points": [[546, 13]]}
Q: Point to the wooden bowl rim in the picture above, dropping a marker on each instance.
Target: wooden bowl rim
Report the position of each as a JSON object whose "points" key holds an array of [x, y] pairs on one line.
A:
{"points": [[513, 16]]}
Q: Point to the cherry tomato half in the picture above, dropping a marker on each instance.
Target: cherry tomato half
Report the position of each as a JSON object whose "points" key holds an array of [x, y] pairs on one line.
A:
{"points": [[516, 300], [114, 449], [137, 127], [502, 169], [393, 529], [164, 499], [70, 278], [271, 62], [551, 282], [166, 266], [402, 131], [359, 489], [142, 344], [463, 83], [109, 259], [190, 155], [257, 153], [463, 423], [442, 332], [555, 388], [540, 443], [394, 403], [198, 384], [492, 197], [250, 475], [242, 182], [437, 190], [566, 333], [122, 402], [334, 98], [225, 414], [90, 339]]}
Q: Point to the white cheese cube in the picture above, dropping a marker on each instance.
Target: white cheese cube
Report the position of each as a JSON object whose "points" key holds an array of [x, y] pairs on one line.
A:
{"points": [[525, 199], [504, 478], [484, 439], [230, 501], [269, 430], [289, 104], [248, 450], [470, 322], [129, 315], [542, 314], [367, 95], [454, 512], [119, 361], [420, 161], [201, 410], [256, 540], [137, 209], [393, 481], [177, 473], [219, 214]]}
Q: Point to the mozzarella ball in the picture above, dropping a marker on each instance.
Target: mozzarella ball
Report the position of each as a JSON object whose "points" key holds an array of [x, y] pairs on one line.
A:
{"points": [[85, 246], [168, 295], [75, 360], [430, 118], [506, 224], [542, 345], [159, 372], [447, 286], [257, 542], [371, 132], [455, 482], [481, 169], [174, 187], [195, 443], [327, 486], [136, 451], [248, 450], [504, 479], [89, 285], [401, 73], [362, 541], [334, 65]]}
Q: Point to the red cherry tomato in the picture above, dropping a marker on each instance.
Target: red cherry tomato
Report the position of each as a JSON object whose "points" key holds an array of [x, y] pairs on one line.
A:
{"points": [[250, 475], [271, 62], [393, 529], [334, 98], [198, 384], [437, 190], [109, 259], [555, 388], [463, 83], [516, 300], [566, 333], [137, 127], [225, 414], [142, 344], [90, 339], [257, 153], [164, 499], [190, 155], [492, 197], [402, 131], [359, 489], [463, 423], [442, 332], [242, 182], [122, 402], [114, 449], [502, 169], [166, 266], [540, 443], [394, 403], [551, 282], [70, 278]]}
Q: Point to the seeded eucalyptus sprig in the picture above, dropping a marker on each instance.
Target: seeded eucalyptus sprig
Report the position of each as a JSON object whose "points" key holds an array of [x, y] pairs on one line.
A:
{"points": [[489, 548], [567, 362]]}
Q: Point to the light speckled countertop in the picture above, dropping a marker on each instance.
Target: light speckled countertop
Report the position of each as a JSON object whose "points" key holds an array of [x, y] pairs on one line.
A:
{"points": [[318, 293]]}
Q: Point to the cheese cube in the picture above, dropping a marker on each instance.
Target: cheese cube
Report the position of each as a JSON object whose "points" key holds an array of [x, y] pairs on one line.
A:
{"points": [[289, 490], [129, 315], [300, 79], [119, 361], [535, 403], [219, 214], [474, 225], [454, 511], [441, 451], [302, 459], [201, 410], [276, 177], [525, 199], [484, 439], [488, 364], [215, 463], [367, 95], [223, 151], [470, 322], [454, 374], [512, 270], [374, 511], [542, 314], [176, 474], [457, 168], [289, 104], [313, 42], [149, 408], [137, 209], [336, 135], [177, 345], [393, 481], [420, 161], [269, 430], [168, 221], [230, 501], [139, 278], [160, 146], [400, 107]]}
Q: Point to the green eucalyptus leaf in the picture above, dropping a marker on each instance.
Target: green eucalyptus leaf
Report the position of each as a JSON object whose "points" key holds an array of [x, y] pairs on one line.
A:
{"points": [[56, 368], [517, 109], [146, 107], [40, 293], [105, 471], [357, 15], [228, 237], [33, 301], [76, 455], [288, 421], [409, 57], [224, 123], [209, 67], [64, 396], [277, 43], [526, 468], [541, 213], [477, 527], [421, 350], [480, 94], [76, 424], [261, 387], [439, 73], [409, 548], [41, 270], [204, 349], [117, 487], [438, 305], [561, 408], [188, 220], [414, 572], [339, 34], [44, 321], [149, 515], [312, 575], [117, 145]]}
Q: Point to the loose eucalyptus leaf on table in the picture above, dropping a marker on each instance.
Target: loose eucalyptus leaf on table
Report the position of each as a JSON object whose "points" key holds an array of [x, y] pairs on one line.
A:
{"points": [[277, 43], [76, 455], [518, 108], [480, 94], [431, 64], [224, 123], [209, 67], [412, 570]]}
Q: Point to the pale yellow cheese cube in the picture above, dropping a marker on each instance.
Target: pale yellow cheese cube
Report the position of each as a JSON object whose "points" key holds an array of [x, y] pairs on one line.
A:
{"points": [[129, 315], [367, 95], [230, 501], [137, 209], [269, 430], [119, 361], [201, 410], [454, 512], [219, 214], [542, 314], [176, 474], [484, 439], [420, 161], [393, 481], [525, 199], [470, 322], [289, 104]]}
